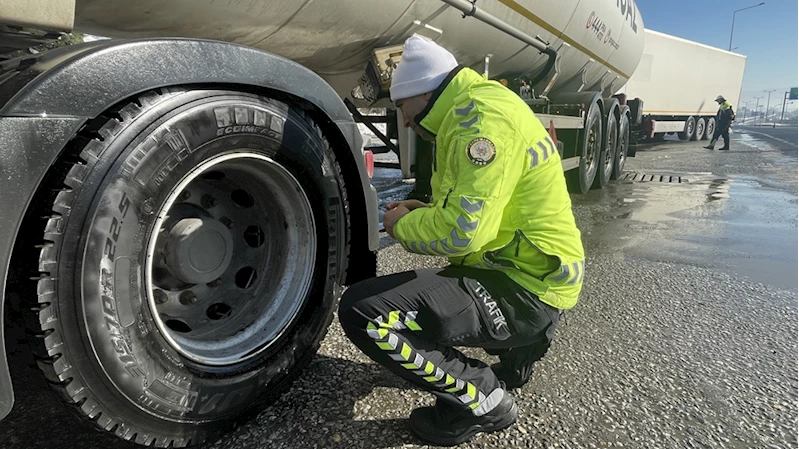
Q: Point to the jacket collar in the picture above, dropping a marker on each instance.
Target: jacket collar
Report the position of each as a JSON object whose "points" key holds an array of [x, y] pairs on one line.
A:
{"points": [[443, 99]]}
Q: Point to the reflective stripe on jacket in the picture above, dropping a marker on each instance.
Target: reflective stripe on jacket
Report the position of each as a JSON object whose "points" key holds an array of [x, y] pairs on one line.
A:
{"points": [[499, 192]]}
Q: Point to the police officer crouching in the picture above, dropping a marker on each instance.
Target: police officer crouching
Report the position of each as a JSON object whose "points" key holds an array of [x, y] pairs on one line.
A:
{"points": [[502, 215]]}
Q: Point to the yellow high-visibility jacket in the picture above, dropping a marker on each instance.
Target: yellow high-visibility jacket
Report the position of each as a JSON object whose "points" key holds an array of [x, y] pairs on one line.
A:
{"points": [[499, 193]]}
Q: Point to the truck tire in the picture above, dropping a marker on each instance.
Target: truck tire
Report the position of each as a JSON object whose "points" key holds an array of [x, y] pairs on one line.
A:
{"points": [[710, 127], [607, 156], [190, 263], [700, 130], [589, 145], [690, 129], [622, 147]]}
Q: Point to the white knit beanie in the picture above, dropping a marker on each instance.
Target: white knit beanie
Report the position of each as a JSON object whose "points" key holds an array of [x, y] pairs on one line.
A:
{"points": [[423, 67]]}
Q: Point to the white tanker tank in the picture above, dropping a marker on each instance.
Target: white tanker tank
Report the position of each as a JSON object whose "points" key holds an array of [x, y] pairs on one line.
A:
{"points": [[598, 41], [566, 58]]}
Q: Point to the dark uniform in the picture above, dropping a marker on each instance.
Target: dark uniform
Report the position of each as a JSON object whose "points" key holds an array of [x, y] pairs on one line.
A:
{"points": [[724, 119]]}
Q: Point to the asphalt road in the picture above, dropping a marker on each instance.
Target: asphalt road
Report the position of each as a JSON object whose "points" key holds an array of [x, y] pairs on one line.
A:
{"points": [[781, 138], [685, 335]]}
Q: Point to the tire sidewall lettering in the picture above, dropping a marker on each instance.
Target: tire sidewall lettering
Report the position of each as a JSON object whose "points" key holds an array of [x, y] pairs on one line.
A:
{"points": [[117, 315]]}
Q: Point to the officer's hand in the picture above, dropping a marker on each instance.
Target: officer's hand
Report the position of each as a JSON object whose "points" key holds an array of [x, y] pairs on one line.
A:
{"points": [[410, 204], [391, 217]]}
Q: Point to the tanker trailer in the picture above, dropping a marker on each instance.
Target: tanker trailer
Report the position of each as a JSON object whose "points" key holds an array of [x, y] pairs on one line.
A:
{"points": [[182, 212]]}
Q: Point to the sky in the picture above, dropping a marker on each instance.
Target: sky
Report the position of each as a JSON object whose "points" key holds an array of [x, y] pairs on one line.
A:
{"points": [[766, 35]]}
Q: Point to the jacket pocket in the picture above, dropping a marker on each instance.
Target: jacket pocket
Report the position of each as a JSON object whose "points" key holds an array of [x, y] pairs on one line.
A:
{"points": [[507, 255]]}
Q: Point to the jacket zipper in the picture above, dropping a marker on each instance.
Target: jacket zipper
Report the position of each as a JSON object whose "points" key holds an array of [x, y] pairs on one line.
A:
{"points": [[519, 235], [446, 198], [560, 262]]}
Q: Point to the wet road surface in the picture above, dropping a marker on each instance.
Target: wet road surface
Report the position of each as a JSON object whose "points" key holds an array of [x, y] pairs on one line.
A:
{"points": [[685, 336], [780, 137]]}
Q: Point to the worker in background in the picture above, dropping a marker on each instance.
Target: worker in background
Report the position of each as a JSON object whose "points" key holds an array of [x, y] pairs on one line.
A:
{"points": [[724, 119], [502, 215]]}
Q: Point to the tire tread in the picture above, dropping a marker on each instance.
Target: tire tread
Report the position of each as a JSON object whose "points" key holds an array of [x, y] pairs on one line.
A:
{"points": [[60, 189]]}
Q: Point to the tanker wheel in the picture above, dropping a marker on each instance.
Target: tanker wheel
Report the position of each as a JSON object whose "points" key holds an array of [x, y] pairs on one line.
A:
{"points": [[608, 154], [690, 129], [191, 263], [700, 130], [589, 146], [710, 127], [622, 147]]}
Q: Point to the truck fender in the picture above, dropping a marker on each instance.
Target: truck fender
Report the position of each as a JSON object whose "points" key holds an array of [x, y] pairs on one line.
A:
{"points": [[46, 98], [636, 111]]}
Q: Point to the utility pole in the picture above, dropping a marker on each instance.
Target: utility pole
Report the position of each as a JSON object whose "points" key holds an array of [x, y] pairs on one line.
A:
{"points": [[757, 107], [769, 101], [746, 109], [784, 100], [733, 20]]}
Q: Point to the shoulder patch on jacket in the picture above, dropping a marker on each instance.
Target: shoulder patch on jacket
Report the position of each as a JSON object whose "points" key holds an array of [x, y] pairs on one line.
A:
{"points": [[481, 151]]}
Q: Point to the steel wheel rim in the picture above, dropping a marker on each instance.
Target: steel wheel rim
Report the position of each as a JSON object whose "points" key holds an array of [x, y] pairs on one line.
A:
{"points": [[269, 270], [593, 142], [623, 144], [700, 128]]}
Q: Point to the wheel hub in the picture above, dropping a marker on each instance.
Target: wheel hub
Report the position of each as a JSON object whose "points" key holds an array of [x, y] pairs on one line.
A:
{"points": [[199, 250], [592, 144], [231, 258]]}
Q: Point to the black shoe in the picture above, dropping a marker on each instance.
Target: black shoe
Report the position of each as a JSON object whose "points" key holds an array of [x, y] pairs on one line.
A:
{"points": [[512, 379], [724, 149], [447, 425], [708, 148]]}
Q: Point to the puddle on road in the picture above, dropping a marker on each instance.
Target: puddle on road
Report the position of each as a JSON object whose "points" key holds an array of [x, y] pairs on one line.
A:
{"points": [[743, 225], [739, 224], [761, 226]]}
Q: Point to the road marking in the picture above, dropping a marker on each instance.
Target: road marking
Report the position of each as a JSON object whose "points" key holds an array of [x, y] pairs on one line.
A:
{"points": [[793, 144]]}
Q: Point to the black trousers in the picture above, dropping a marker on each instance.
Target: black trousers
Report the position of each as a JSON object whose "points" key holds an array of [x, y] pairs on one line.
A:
{"points": [[410, 322], [724, 132]]}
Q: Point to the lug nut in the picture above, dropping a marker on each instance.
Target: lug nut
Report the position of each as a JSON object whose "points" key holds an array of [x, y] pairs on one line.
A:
{"points": [[208, 201], [160, 297], [215, 283], [185, 195], [227, 222], [188, 297]]}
